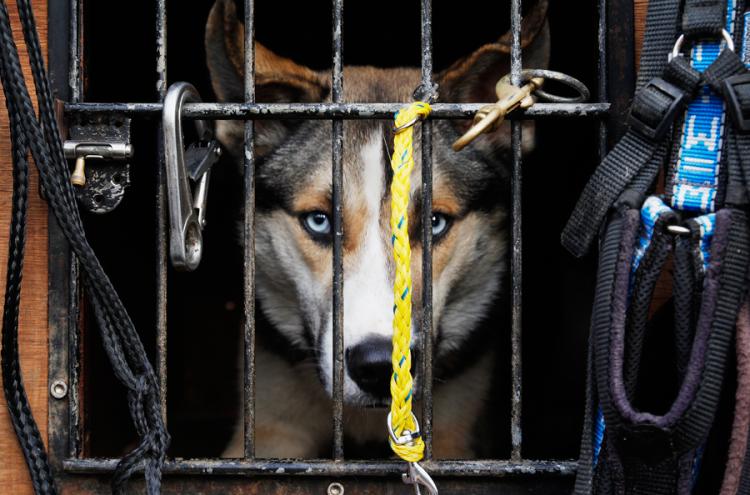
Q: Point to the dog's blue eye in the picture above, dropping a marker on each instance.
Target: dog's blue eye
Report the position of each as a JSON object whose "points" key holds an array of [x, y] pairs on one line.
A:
{"points": [[440, 224], [317, 223]]}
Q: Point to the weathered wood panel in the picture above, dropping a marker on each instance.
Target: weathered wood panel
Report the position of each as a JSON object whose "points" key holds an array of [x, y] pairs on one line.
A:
{"points": [[33, 318], [640, 7]]}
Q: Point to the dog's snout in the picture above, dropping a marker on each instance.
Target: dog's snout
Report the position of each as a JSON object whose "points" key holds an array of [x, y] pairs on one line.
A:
{"points": [[369, 365]]}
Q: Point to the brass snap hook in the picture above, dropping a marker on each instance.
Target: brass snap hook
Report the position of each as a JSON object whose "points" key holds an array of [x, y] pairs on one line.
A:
{"points": [[511, 97]]}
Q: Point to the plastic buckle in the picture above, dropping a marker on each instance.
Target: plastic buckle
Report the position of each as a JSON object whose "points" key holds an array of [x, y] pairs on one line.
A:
{"points": [[740, 115], [656, 130]]}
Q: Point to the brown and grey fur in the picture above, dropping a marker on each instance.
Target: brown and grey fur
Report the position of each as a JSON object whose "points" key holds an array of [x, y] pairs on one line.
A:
{"points": [[294, 271]]}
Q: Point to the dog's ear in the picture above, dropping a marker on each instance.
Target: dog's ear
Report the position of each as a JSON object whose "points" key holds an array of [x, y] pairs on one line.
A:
{"points": [[473, 78], [277, 79]]}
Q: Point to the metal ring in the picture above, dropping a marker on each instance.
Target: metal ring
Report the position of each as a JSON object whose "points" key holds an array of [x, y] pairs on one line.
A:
{"points": [[564, 79], [408, 436], [678, 44], [413, 121]]}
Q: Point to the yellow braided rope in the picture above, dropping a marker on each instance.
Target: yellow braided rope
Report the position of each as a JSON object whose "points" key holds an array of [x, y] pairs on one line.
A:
{"points": [[402, 163]]}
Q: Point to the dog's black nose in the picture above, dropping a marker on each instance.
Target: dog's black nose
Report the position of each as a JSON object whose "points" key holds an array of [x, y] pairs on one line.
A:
{"points": [[369, 365]]}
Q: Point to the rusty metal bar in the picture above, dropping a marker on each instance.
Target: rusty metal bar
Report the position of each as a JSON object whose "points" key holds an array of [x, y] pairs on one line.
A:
{"points": [[426, 374], [161, 213], [222, 467], [602, 74], [516, 260], [248, 240], [75, 88], [325, 111], [75, 79], [64, 418], [337, 146]]}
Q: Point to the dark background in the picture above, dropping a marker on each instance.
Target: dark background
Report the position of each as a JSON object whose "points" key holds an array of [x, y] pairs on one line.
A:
{"points": [[204, 310]]}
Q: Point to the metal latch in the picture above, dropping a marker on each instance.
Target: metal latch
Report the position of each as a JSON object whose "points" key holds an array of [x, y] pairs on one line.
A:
{"points": [[106, 140], [187, 206]]}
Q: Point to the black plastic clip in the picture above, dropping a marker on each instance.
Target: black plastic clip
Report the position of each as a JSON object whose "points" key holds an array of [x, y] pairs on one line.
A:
{"points": [[738, 103], [654, 108]]}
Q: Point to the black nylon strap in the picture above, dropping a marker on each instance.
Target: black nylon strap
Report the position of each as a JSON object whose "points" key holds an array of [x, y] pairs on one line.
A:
{"points": [[636, 155], [726, 64], [703, 18], [662, 19], [686, 295], [692, 428], [642, 293], [600, 321]]}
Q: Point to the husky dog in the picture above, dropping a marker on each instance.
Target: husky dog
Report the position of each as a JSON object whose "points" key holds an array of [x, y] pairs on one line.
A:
{"points": [[293, 244]]}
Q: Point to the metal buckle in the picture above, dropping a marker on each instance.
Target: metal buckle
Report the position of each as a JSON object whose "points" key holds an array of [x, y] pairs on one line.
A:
{"points": [[650, 130], [740, 115], [187, 211]]}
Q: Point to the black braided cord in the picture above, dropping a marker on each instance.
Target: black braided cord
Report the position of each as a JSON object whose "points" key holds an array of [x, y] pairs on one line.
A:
{"points": [[41, 138]]}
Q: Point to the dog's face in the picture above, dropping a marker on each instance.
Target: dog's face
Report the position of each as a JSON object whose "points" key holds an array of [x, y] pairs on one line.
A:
{"points": [[294, 207]]}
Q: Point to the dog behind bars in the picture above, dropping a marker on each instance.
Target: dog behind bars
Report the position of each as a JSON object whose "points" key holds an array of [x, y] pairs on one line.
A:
{"points": [[293, 246]]}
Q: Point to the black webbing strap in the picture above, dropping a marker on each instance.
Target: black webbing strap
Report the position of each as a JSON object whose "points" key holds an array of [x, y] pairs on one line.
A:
{"points": [[643, 452], [692, 428], [703, 18], [41, 139], [637, 158], [662, 22], [687, 280], [622, 219]]}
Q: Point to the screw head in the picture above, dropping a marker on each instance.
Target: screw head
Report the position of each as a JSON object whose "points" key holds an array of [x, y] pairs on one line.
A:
{"points": [[58, 389], [335, 489]]}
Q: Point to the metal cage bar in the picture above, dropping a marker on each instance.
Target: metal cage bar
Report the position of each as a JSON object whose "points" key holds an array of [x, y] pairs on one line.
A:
{"points": [[602, 74], [307, 468], [328, 111], [426, 330], [516, 259], [248, 240], [337, 170], [161, 213], [75, 88]]}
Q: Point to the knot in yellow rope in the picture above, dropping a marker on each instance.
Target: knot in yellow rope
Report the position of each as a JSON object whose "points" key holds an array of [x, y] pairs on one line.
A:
{"points": [[402, 163]]}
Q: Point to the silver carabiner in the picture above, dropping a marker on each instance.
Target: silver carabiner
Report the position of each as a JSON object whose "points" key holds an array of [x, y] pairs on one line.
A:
{"points": [[187, 210], [418, 476]]}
